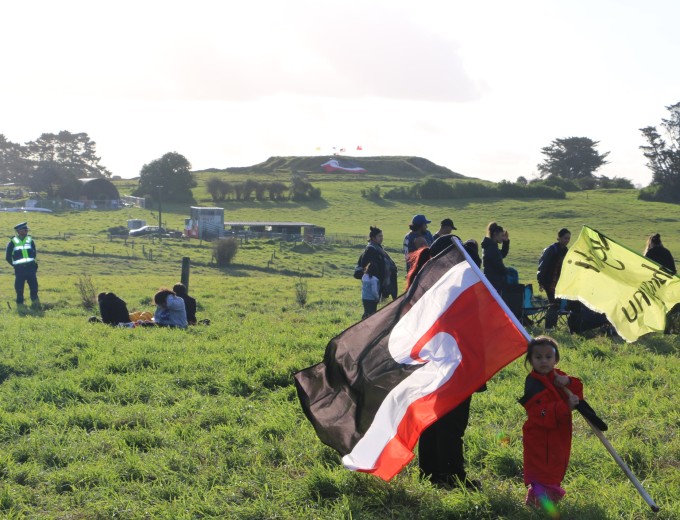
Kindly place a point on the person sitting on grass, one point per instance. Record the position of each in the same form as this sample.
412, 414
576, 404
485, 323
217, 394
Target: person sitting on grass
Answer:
112, 309
170, 309
189, 302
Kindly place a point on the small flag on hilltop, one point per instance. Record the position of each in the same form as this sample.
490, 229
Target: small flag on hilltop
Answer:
342, 166
387, 378
633, 291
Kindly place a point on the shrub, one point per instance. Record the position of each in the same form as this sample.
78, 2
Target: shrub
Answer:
615, 182
301, 292
87, 291
225, 250
436, 189
559, 182
371, 193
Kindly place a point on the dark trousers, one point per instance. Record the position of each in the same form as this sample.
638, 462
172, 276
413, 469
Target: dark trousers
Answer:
440, 450
370, 307
23, 275
552, 314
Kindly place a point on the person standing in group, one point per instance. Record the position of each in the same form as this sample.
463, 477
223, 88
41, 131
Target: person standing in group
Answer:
549, 268
657, 252
549, 398
21, 254
446, 228
370, 290
441, 457
418, 228
492, 257
385, 268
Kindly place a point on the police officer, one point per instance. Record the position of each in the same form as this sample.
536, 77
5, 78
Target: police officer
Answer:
20, 254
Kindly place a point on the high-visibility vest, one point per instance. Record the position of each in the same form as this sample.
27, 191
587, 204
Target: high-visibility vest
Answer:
23, 247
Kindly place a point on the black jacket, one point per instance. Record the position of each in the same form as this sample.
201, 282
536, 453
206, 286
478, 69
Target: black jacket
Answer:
492, 259
663, 257
550, 261
385, 266
113, 309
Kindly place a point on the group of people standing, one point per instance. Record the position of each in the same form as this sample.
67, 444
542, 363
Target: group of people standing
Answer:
550, 395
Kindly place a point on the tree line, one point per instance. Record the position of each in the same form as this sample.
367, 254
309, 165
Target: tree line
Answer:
299, 189
52, 163
571, 162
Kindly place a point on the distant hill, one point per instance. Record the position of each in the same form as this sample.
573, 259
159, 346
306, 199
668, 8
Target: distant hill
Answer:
409, 167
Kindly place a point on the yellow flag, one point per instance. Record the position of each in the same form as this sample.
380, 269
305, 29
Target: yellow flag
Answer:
633, 291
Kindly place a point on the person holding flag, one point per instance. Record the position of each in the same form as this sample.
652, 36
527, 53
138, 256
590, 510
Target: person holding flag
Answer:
546, 434
387, 378
441, 456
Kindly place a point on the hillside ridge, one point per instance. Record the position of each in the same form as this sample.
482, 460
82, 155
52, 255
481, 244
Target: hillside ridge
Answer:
397, 166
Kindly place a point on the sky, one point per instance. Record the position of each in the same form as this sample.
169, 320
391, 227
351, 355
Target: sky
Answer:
478, 87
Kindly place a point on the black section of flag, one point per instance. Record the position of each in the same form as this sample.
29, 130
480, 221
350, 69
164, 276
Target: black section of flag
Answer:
341, 395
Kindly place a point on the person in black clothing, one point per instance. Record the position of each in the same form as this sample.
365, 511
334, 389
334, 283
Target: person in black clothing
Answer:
492, 257
440, 448
189, 303
112, 309
549, 268
657, 252
445, 228
386, 269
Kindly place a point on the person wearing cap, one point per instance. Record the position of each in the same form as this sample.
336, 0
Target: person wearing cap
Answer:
492, 257
418, 228
20, 254
446, 228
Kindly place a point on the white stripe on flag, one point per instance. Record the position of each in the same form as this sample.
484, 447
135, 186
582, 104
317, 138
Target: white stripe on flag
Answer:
441, 356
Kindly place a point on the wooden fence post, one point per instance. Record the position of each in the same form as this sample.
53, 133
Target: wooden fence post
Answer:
186, 267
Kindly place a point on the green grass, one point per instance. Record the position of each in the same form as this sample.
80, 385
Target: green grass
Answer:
100, 422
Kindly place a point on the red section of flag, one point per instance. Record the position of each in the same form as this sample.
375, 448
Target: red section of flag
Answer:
480, 327
387, 378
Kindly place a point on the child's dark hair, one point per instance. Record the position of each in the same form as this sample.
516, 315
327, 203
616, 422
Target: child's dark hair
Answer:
162, 296
541, 340
371, 269
375, 231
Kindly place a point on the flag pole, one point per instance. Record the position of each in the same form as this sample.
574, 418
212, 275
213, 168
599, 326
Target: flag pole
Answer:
631, 476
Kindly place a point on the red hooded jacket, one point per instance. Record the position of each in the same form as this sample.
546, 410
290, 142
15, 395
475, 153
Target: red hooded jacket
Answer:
547, 430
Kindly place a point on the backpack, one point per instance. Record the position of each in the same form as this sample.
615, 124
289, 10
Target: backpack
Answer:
358, 270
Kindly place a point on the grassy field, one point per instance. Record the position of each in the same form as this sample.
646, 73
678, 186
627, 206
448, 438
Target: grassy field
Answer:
99, 422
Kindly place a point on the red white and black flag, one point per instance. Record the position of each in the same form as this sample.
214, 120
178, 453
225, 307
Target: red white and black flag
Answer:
387, 378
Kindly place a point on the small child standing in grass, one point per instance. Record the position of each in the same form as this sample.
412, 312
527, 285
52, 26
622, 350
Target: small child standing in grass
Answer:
370, 290
550, 395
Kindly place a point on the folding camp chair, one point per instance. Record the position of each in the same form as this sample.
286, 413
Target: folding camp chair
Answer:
534, 308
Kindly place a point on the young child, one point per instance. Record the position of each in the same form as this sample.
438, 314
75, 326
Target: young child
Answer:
370, 290
550, 395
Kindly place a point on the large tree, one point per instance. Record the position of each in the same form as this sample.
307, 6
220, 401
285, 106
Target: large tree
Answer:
13, 165
54, 180
74, 152
663, 155
172, 172
572, 158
